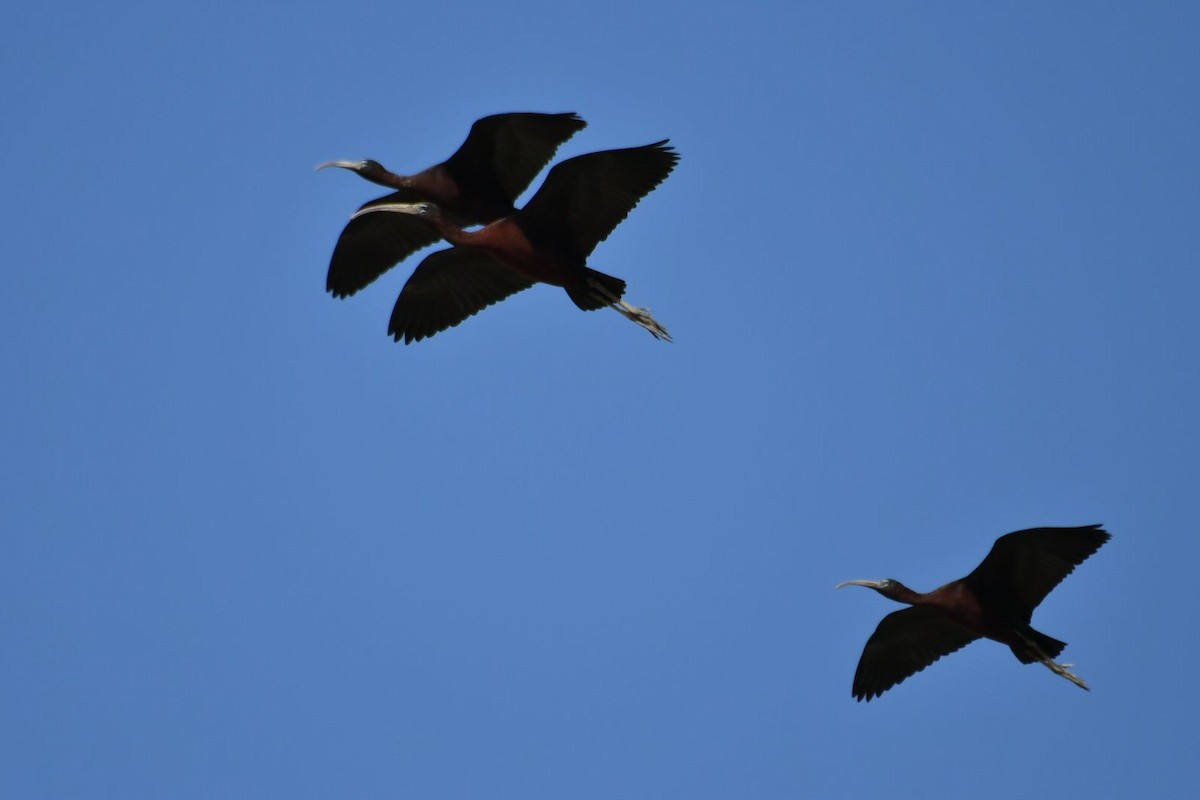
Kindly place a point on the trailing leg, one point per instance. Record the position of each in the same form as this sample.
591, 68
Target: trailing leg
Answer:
1053, 666
639, 315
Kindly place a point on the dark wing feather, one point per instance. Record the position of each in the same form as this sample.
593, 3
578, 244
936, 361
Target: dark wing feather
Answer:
906, 642
586, 197
507, 151
447, 287
1023, 567
372, 244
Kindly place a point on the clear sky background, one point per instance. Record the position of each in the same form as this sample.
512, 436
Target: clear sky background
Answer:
932, 276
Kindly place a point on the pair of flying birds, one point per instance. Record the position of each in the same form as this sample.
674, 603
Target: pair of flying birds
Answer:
548, 241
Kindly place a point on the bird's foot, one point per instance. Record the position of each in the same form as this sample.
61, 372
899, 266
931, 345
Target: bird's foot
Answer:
642, 317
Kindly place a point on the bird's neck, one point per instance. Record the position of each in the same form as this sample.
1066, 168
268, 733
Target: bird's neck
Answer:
453, 233
903, 594
391, 179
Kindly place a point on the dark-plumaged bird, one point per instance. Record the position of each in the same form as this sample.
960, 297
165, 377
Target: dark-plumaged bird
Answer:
548, 241
996, 601
502, 155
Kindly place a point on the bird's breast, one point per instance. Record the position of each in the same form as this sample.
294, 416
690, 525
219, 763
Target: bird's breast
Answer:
520, 255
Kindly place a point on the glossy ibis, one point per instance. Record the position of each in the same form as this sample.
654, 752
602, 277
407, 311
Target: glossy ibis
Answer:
996, 601
478, 184
548, 241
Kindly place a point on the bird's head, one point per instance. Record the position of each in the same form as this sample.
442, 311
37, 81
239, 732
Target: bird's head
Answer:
371, 170
424, 210
887, 587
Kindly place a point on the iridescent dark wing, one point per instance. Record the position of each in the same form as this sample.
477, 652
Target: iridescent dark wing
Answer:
446, 288
906, 642
584, 198
1023, 567
372, 244
507, 151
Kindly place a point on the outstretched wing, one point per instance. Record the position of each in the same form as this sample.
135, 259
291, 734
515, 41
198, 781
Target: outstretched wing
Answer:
509, 150
906, 642
586, 197
1023, 567
372, 244
447, 287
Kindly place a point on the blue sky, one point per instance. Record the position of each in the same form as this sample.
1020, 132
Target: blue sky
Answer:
931, 275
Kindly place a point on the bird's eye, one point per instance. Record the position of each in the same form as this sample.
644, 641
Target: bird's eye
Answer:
425, 208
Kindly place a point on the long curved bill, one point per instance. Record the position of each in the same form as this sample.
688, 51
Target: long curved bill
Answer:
399, 208
868, 584
353, 165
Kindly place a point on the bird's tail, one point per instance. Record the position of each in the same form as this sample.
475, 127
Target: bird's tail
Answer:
1043, 646
598, 290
